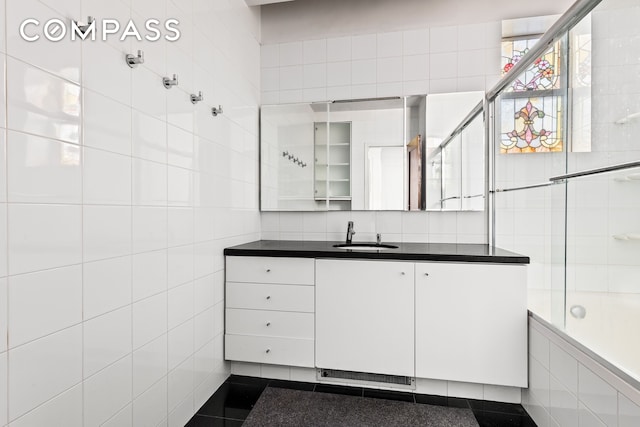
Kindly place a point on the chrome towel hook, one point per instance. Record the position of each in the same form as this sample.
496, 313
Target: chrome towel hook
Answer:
167, 82
133, 61
84, 28
196, 98
216, 110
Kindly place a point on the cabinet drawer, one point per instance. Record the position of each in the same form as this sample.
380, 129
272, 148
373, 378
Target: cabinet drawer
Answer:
295, 271
270, 323
276, 351
270, 297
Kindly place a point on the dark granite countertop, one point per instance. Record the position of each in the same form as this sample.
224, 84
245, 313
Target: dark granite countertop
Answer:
450, 252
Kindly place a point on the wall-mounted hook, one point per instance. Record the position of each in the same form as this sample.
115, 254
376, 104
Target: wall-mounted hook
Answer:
133, 61
196, 98
216, 110
285, 153
167, 82
84, 28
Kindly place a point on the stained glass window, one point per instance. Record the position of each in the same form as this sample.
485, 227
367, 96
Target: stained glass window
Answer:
531, 124
531, 110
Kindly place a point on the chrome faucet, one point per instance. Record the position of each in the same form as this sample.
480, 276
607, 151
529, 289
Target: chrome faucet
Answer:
350, 232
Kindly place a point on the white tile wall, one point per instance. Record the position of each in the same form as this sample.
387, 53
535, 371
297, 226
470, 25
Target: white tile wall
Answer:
569, 388
112, 189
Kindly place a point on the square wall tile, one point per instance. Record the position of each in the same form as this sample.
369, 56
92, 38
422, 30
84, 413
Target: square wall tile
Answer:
63, 410
363, 72
106, 232
315, 75
106, 178
415, 42
290, 54
389, 69
149, 183
339, 74
564, 367
151, 406
443, 39
42, 170
149, 365
102, 71
339, 49
180, 307
364, 47
100, 113
44, 236
270, 55
443, 65
149, 274
44, 302
415, 67
291, 77
44, 368
180, 265
472, 36
180, 344
600, 397
180, 383
107, 338
106, 285
389, 44
149, 138
149, 229
149, 319
564, 405
107, 392
314, 51
270, 79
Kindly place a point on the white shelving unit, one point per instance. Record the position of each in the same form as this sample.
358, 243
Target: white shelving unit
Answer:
332, 167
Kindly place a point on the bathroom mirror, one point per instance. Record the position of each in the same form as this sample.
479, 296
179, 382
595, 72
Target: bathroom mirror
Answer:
366, 154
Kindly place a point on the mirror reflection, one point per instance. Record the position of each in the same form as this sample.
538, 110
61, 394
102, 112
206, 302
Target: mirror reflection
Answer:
367, 154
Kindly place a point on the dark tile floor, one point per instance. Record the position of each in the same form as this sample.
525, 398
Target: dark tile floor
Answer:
231, 404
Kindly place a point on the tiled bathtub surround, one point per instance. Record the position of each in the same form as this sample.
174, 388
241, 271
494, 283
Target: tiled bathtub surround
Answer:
568, 388
117, 197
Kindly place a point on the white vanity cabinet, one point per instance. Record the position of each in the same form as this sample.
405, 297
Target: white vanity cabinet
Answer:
269, 311
471, 322
365, 316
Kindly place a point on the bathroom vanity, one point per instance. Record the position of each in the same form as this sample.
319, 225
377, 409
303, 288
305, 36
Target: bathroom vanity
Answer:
454, 312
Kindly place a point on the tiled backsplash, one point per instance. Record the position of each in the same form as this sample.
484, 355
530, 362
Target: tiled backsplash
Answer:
117, 197
419, 227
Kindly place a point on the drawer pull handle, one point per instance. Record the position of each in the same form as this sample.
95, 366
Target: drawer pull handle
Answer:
426, 274
268, 296
268, 270
268, 323
268, 350
403, 273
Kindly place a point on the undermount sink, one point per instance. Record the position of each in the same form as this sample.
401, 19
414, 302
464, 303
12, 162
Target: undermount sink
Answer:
364, 246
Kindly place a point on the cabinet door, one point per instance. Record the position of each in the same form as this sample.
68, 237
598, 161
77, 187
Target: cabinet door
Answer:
365, 316
471, 323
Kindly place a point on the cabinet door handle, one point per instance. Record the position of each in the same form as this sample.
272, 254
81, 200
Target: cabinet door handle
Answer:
268, 323
268, 296
268, 350
426, 274
268, 270
403, 273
